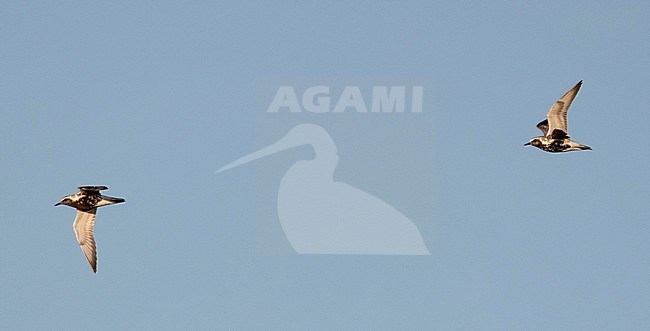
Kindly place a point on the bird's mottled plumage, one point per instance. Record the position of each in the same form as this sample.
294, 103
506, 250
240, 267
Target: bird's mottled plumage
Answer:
86, 201
556, 138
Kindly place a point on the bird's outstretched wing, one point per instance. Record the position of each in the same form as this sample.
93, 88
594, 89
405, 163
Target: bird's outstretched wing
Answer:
543, 126
84, 225
92, 189
556, 116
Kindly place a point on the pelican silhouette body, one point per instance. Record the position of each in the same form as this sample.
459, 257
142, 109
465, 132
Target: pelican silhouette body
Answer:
322, 216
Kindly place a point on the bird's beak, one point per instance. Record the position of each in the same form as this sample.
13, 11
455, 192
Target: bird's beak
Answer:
526, 144
57, 204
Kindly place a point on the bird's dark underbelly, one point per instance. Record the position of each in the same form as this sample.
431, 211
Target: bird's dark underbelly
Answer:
556, 146
87, 202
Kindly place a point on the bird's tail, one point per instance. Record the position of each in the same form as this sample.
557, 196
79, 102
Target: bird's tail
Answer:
111, 200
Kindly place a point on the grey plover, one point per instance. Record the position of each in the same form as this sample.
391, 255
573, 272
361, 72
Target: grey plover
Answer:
86, 201
554, 127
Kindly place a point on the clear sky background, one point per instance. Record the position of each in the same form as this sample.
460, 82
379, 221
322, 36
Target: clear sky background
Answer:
150, 98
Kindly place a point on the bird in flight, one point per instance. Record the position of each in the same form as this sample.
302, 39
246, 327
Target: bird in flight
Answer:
554, 127
86, 201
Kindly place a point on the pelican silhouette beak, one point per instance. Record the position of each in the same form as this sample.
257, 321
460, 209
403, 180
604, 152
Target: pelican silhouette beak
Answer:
284, 143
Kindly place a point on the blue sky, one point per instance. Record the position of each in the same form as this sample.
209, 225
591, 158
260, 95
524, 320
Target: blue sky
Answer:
151, 98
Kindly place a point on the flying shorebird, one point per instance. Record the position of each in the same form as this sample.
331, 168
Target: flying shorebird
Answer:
86, 201
554, 127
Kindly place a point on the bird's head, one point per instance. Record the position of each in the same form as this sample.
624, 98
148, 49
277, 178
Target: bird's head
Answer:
535, 142
65, 201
